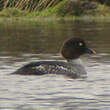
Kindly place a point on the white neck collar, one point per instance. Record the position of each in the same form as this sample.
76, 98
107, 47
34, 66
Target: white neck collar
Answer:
77, 66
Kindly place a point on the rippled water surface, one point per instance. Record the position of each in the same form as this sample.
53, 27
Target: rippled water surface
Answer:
24, 42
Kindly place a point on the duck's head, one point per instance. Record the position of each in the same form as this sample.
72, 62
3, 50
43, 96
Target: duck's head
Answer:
74, 47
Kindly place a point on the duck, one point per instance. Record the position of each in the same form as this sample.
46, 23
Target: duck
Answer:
71, 50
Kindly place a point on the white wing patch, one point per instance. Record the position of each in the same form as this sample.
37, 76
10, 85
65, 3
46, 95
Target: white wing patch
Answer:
73, 67
63, 68
41, 68
55, 69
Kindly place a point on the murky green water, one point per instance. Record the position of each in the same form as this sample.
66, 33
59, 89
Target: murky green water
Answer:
24, 42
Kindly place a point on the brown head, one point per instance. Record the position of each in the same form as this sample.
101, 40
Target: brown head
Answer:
75, 47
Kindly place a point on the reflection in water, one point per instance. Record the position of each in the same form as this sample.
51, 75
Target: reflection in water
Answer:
26, 42
47, 37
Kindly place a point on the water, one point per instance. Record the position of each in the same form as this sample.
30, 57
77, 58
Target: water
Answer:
24, 42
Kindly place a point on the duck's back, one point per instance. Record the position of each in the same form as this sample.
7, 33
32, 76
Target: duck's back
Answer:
45, 67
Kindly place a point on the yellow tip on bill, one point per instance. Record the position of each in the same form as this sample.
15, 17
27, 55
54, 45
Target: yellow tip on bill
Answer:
94, 52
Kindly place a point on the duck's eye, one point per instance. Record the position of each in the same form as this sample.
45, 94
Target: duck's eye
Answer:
80, 44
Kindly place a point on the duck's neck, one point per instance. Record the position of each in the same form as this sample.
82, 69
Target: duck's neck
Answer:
77, 66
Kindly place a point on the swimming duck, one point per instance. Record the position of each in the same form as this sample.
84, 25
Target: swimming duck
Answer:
71, 51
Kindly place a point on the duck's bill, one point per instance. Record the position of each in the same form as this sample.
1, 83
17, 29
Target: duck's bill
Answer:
90, 51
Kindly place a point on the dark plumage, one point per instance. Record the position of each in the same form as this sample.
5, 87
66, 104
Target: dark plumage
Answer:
71, 51
73, 48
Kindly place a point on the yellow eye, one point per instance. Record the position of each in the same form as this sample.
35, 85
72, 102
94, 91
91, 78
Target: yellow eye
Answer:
80, 44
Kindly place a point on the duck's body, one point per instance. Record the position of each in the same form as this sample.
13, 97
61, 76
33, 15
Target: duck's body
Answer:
74, 68
71, 51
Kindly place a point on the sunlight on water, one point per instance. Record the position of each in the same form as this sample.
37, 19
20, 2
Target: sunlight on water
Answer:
21, 44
